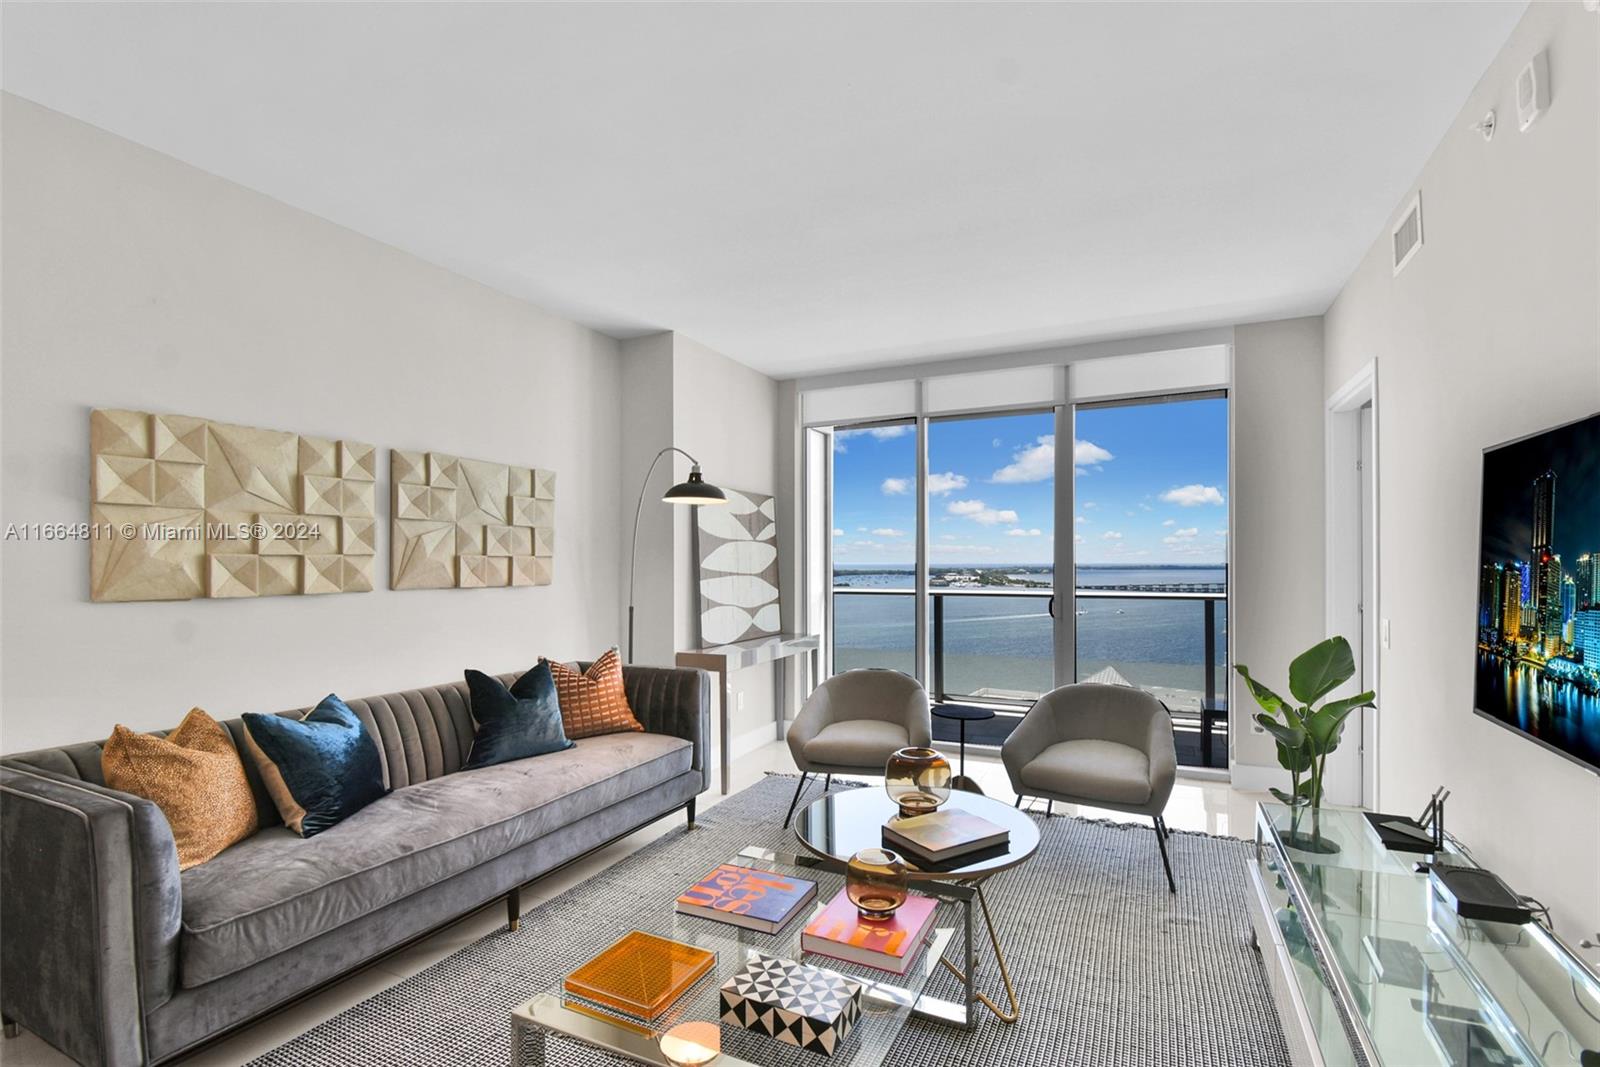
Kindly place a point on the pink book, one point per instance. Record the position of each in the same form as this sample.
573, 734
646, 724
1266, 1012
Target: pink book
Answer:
890, 944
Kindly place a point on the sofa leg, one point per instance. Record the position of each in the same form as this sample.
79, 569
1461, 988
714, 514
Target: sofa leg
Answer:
10, 1028
796, 800
1161, 842
514, 908
689, 810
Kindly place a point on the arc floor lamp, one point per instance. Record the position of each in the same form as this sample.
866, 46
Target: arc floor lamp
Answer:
696, 492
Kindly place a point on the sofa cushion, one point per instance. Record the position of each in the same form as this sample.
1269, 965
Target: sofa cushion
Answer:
1091, 770
274, 891
857, 743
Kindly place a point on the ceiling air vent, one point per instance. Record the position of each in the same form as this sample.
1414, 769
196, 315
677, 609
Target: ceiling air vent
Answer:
1407, 234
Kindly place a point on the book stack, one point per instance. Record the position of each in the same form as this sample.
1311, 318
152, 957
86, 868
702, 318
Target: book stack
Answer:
747, 897
940, 838
888, 944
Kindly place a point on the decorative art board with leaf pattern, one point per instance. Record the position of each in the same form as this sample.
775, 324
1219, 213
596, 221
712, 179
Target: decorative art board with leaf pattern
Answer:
738, 552
469, 524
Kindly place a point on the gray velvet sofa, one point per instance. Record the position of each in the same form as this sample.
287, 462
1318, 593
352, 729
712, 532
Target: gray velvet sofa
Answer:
114, 957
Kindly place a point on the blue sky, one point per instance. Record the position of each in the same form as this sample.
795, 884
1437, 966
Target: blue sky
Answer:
1151, 485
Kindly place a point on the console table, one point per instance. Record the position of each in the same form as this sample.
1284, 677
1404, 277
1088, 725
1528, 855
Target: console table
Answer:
1369, 966
723, 660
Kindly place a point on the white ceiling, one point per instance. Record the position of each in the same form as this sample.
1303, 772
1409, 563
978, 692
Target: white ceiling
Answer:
809, 187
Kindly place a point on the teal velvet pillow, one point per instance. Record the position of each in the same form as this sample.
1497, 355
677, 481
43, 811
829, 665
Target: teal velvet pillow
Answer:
514, 723
320, 768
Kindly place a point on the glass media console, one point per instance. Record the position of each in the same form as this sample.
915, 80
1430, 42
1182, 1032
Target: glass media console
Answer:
1370, 967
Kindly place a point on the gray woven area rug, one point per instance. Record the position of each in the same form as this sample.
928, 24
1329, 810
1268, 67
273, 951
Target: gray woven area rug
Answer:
1114, 971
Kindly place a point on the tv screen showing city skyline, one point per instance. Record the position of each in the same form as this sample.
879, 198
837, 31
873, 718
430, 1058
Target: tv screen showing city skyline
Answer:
1538, 662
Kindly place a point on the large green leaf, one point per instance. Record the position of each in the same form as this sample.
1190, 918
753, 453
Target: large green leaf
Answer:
1294, 760
1264, 696
1326, 724
1293, 736
1321, 669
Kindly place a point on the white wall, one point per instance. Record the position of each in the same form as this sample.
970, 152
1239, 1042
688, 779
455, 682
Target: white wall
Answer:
1490, 333
647, 422
132, 280
1275, 592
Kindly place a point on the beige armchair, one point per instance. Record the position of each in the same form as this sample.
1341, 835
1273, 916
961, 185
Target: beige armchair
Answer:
1106, 746
853, 722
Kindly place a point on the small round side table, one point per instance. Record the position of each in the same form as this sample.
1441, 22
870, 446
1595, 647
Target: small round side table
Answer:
963, 713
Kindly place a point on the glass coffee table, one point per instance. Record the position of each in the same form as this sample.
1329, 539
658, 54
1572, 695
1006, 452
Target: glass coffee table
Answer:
545, 1028
837, 826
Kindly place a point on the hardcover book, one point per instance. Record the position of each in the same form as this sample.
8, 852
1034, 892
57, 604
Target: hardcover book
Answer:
803, 1006
747, 897
941, 836
888, 944
640, 975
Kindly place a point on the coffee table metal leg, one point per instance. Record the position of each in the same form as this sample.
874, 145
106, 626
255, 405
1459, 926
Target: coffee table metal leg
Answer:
1015, 1011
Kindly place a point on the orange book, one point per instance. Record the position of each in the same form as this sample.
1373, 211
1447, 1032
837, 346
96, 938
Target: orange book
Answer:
888, 944
747, 897
641, 975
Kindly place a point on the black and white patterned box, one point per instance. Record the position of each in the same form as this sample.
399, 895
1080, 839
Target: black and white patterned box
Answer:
804, 1006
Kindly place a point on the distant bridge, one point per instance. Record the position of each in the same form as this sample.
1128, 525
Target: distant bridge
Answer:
1158, 587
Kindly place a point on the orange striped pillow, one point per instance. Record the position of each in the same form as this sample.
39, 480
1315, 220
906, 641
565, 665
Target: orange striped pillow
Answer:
594, 702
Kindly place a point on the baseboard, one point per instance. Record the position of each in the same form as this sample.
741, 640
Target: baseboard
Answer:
750, 740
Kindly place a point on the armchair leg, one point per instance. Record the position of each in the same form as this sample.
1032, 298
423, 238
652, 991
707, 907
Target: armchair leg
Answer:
827, 783
1049, 808
796, 800
1019, 800
1161, 842
10, 1028
514, 908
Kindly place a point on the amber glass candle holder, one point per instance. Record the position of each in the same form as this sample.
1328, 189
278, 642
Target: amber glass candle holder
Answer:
875, 882
918, 780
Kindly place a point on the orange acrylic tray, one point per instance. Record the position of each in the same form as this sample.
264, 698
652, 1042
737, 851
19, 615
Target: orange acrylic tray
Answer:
640, 975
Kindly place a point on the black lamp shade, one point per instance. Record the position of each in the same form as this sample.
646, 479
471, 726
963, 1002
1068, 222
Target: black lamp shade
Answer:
696, 491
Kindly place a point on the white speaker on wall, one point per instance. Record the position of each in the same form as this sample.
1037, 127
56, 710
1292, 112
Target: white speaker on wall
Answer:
1533, 90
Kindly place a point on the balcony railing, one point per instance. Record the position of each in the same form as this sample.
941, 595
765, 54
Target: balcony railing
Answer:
996, 646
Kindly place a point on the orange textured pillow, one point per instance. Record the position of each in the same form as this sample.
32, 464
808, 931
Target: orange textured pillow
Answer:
194, 776
594, 702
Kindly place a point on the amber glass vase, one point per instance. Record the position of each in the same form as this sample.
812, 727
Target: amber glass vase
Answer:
918, 780
875, 882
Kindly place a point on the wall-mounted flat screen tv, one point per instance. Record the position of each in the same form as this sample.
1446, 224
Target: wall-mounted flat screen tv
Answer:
1538, 668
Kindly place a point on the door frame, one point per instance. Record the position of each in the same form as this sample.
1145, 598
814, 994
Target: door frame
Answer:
1344, 517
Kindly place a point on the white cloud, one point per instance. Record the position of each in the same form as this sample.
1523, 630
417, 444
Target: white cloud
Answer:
948, 537
1088, 454
877, 433
1090, 504
1128, 513
1112, 535
940, 484
1169, 522
979, 512
838, 533
888, 531
1032, 463
995, 443
1080, 520
1191, 496
866, 544
896, 486
1077, 539
1183, 536
1017, 531
1222, 532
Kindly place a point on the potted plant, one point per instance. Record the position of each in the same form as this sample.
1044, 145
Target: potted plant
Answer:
1305, 733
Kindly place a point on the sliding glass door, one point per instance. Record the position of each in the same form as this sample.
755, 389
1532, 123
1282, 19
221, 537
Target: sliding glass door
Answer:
943, 553
1150, 539
874, 546
991, 531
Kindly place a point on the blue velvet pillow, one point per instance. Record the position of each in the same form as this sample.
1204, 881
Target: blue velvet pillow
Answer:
514, 723
320, 768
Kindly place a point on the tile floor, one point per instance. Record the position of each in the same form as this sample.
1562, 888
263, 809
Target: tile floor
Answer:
1207, 805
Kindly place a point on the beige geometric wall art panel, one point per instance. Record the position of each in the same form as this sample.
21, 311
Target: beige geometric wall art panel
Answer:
468, 523
184, 507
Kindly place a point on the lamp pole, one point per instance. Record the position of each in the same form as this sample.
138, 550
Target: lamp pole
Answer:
638, 510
